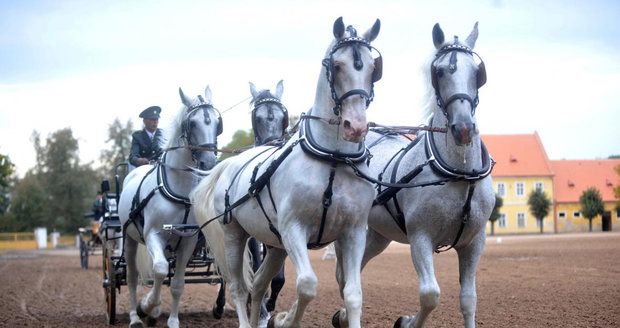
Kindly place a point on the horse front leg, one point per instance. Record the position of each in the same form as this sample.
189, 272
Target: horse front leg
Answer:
422, 257
269, 268
294, 241
151, 301
131, 248
375, 245
177, 283
469, 256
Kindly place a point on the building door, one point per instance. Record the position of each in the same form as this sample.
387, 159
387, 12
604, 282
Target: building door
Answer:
607, 221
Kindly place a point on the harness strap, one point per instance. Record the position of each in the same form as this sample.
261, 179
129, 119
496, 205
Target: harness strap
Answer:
137, 206
272, 228
464, 218
327, 202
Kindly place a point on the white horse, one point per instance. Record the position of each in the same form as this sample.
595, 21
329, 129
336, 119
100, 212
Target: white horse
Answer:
154, 195
436, 217
269, 122
301, 195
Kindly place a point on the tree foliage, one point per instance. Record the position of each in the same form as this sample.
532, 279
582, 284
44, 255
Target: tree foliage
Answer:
7, 171
240, 140
495, 215
58, 191
119, 141
591, 204
617, 189
540, 205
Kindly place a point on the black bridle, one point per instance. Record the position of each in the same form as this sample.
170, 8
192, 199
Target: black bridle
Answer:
187, 129
453, 49
355, 42
268, 100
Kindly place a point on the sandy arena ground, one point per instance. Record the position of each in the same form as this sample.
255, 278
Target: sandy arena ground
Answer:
523, 281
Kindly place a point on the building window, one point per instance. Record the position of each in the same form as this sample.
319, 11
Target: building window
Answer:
502, 220
618, 214
577, 214
539, 186
562, 215
501, 189
521, 220
520, 189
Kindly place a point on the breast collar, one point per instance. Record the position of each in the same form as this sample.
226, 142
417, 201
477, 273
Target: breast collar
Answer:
312, 148
440, 167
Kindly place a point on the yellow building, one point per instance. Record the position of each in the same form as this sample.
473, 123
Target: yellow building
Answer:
572, 178
522, 166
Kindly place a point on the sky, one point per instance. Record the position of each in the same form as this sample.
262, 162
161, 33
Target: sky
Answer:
553, 66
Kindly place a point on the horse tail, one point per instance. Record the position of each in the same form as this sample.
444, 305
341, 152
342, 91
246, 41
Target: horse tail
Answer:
144, 264
204, 207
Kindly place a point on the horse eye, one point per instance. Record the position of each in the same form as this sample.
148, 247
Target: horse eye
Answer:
440, 72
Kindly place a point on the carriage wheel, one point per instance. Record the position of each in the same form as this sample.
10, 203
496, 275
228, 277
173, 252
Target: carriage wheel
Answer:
83, 254
109, 287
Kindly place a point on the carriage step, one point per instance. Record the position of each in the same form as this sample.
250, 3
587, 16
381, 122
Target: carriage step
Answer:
181, 230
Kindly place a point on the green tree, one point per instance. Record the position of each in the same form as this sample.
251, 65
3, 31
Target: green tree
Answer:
7, 171
69, 186
591, 204
240, 140
495, 215
119, 140
28, 206
540, 205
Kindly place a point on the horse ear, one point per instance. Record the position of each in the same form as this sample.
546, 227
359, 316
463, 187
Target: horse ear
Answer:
208, 95
338, 28
186, 101
473, 36
438, 37
253, 90
371, 34
279, 89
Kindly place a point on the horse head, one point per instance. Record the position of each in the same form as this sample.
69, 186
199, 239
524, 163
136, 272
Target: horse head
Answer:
351, 72
269, 116
201, 125
456, 77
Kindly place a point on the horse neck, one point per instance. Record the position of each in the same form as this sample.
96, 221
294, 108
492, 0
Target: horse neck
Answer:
464, 158
327, 135
179, 180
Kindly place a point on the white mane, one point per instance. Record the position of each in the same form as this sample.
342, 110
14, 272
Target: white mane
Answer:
429, 101
173, 132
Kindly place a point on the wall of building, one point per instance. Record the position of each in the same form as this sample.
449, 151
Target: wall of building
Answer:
573, 221
518, 218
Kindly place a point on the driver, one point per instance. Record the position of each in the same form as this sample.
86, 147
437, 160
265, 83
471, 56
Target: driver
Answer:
146, 144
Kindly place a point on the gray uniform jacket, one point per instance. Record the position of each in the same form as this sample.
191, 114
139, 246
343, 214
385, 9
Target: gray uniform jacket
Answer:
142, 146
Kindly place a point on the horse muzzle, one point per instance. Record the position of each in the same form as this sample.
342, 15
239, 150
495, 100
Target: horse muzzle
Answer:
463, 132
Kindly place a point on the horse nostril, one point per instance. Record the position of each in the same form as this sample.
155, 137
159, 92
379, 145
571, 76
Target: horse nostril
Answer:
347, 124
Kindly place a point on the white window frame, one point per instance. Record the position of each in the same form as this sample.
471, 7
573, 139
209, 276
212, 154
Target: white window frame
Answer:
539, 185
522, 185
502, 221
501, 189
521, 218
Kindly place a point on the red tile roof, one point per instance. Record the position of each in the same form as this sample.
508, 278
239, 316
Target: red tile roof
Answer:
573, 177
517, 155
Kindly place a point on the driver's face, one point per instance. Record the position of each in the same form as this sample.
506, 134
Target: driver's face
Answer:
151, 124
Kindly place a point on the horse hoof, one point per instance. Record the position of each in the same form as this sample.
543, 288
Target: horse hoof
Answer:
151, 322
217, 311
398, 322
136, 325
336, 319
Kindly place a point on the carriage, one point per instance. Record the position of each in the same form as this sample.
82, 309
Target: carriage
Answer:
200, 266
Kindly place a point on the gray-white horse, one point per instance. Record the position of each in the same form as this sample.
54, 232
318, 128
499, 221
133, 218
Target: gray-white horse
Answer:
269, 122
302, 195
433, 217
154, 195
